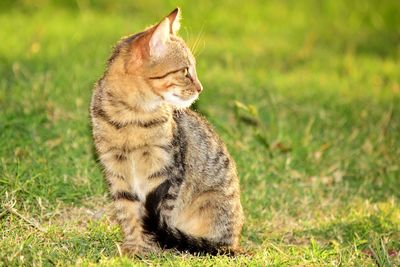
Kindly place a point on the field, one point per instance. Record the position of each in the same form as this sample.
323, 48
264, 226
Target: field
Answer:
306, 95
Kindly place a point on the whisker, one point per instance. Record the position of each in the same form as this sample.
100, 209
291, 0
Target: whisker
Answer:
199, 36
202, 49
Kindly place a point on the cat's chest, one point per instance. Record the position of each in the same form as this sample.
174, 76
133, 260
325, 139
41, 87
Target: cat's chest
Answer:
144, 163
140, 186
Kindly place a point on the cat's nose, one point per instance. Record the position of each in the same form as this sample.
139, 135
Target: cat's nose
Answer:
199, 87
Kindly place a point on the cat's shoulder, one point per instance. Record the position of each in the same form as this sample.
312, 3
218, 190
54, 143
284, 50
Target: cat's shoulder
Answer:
190, 117
196, 125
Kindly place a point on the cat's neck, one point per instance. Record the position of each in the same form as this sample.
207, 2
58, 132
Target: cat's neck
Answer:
137, 109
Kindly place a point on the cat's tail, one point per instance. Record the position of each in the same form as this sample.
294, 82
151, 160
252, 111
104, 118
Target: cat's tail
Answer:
173, 238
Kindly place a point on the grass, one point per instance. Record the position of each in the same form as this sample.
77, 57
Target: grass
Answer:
306, 94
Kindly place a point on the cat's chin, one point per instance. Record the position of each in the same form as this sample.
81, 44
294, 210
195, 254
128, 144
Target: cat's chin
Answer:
178, 102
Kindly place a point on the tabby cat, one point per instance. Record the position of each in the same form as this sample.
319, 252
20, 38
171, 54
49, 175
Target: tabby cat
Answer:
173, 182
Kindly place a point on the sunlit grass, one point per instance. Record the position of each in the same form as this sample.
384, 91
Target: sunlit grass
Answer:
305, 94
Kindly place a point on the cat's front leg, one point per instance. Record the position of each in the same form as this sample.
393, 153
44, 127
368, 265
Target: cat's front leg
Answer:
128, 212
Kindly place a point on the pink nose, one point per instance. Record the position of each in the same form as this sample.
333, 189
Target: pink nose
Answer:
199, 87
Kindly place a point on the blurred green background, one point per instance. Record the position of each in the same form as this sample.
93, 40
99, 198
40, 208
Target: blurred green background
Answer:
306, 94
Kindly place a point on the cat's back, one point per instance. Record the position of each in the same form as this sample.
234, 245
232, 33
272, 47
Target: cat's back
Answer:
208, 161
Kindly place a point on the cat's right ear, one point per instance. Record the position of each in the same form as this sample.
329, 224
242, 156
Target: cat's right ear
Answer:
160, 36
174, 20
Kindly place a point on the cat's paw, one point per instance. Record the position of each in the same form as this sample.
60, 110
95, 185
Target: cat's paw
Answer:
139, 250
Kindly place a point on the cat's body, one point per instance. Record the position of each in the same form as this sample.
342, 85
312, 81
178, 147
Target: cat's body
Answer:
172, 180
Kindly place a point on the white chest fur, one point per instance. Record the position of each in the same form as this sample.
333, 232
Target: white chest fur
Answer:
140, 186
144, 163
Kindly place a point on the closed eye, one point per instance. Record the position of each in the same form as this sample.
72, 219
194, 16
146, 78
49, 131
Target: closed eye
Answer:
169, 73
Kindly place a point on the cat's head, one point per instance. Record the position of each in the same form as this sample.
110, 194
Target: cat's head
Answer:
157, 65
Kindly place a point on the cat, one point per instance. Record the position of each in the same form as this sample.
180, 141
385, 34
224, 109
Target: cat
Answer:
172, 180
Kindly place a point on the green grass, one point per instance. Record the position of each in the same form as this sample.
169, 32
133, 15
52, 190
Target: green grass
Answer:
306, 94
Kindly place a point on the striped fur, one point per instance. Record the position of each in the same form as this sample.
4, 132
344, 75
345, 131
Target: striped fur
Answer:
172, 179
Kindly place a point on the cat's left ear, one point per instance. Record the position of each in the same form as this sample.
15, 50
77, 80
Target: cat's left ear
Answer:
159, 37
169, 25
174, 21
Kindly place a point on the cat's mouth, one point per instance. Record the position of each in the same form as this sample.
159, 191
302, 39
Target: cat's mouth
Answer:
177, 101
196, 95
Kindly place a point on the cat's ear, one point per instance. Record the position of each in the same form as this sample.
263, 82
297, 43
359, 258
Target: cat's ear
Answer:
159, 38
174, 20
169, 25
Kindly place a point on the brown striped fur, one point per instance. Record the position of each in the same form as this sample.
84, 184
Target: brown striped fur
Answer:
172, 179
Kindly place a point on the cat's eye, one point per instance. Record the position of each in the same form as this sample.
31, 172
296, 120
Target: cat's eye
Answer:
186, 73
